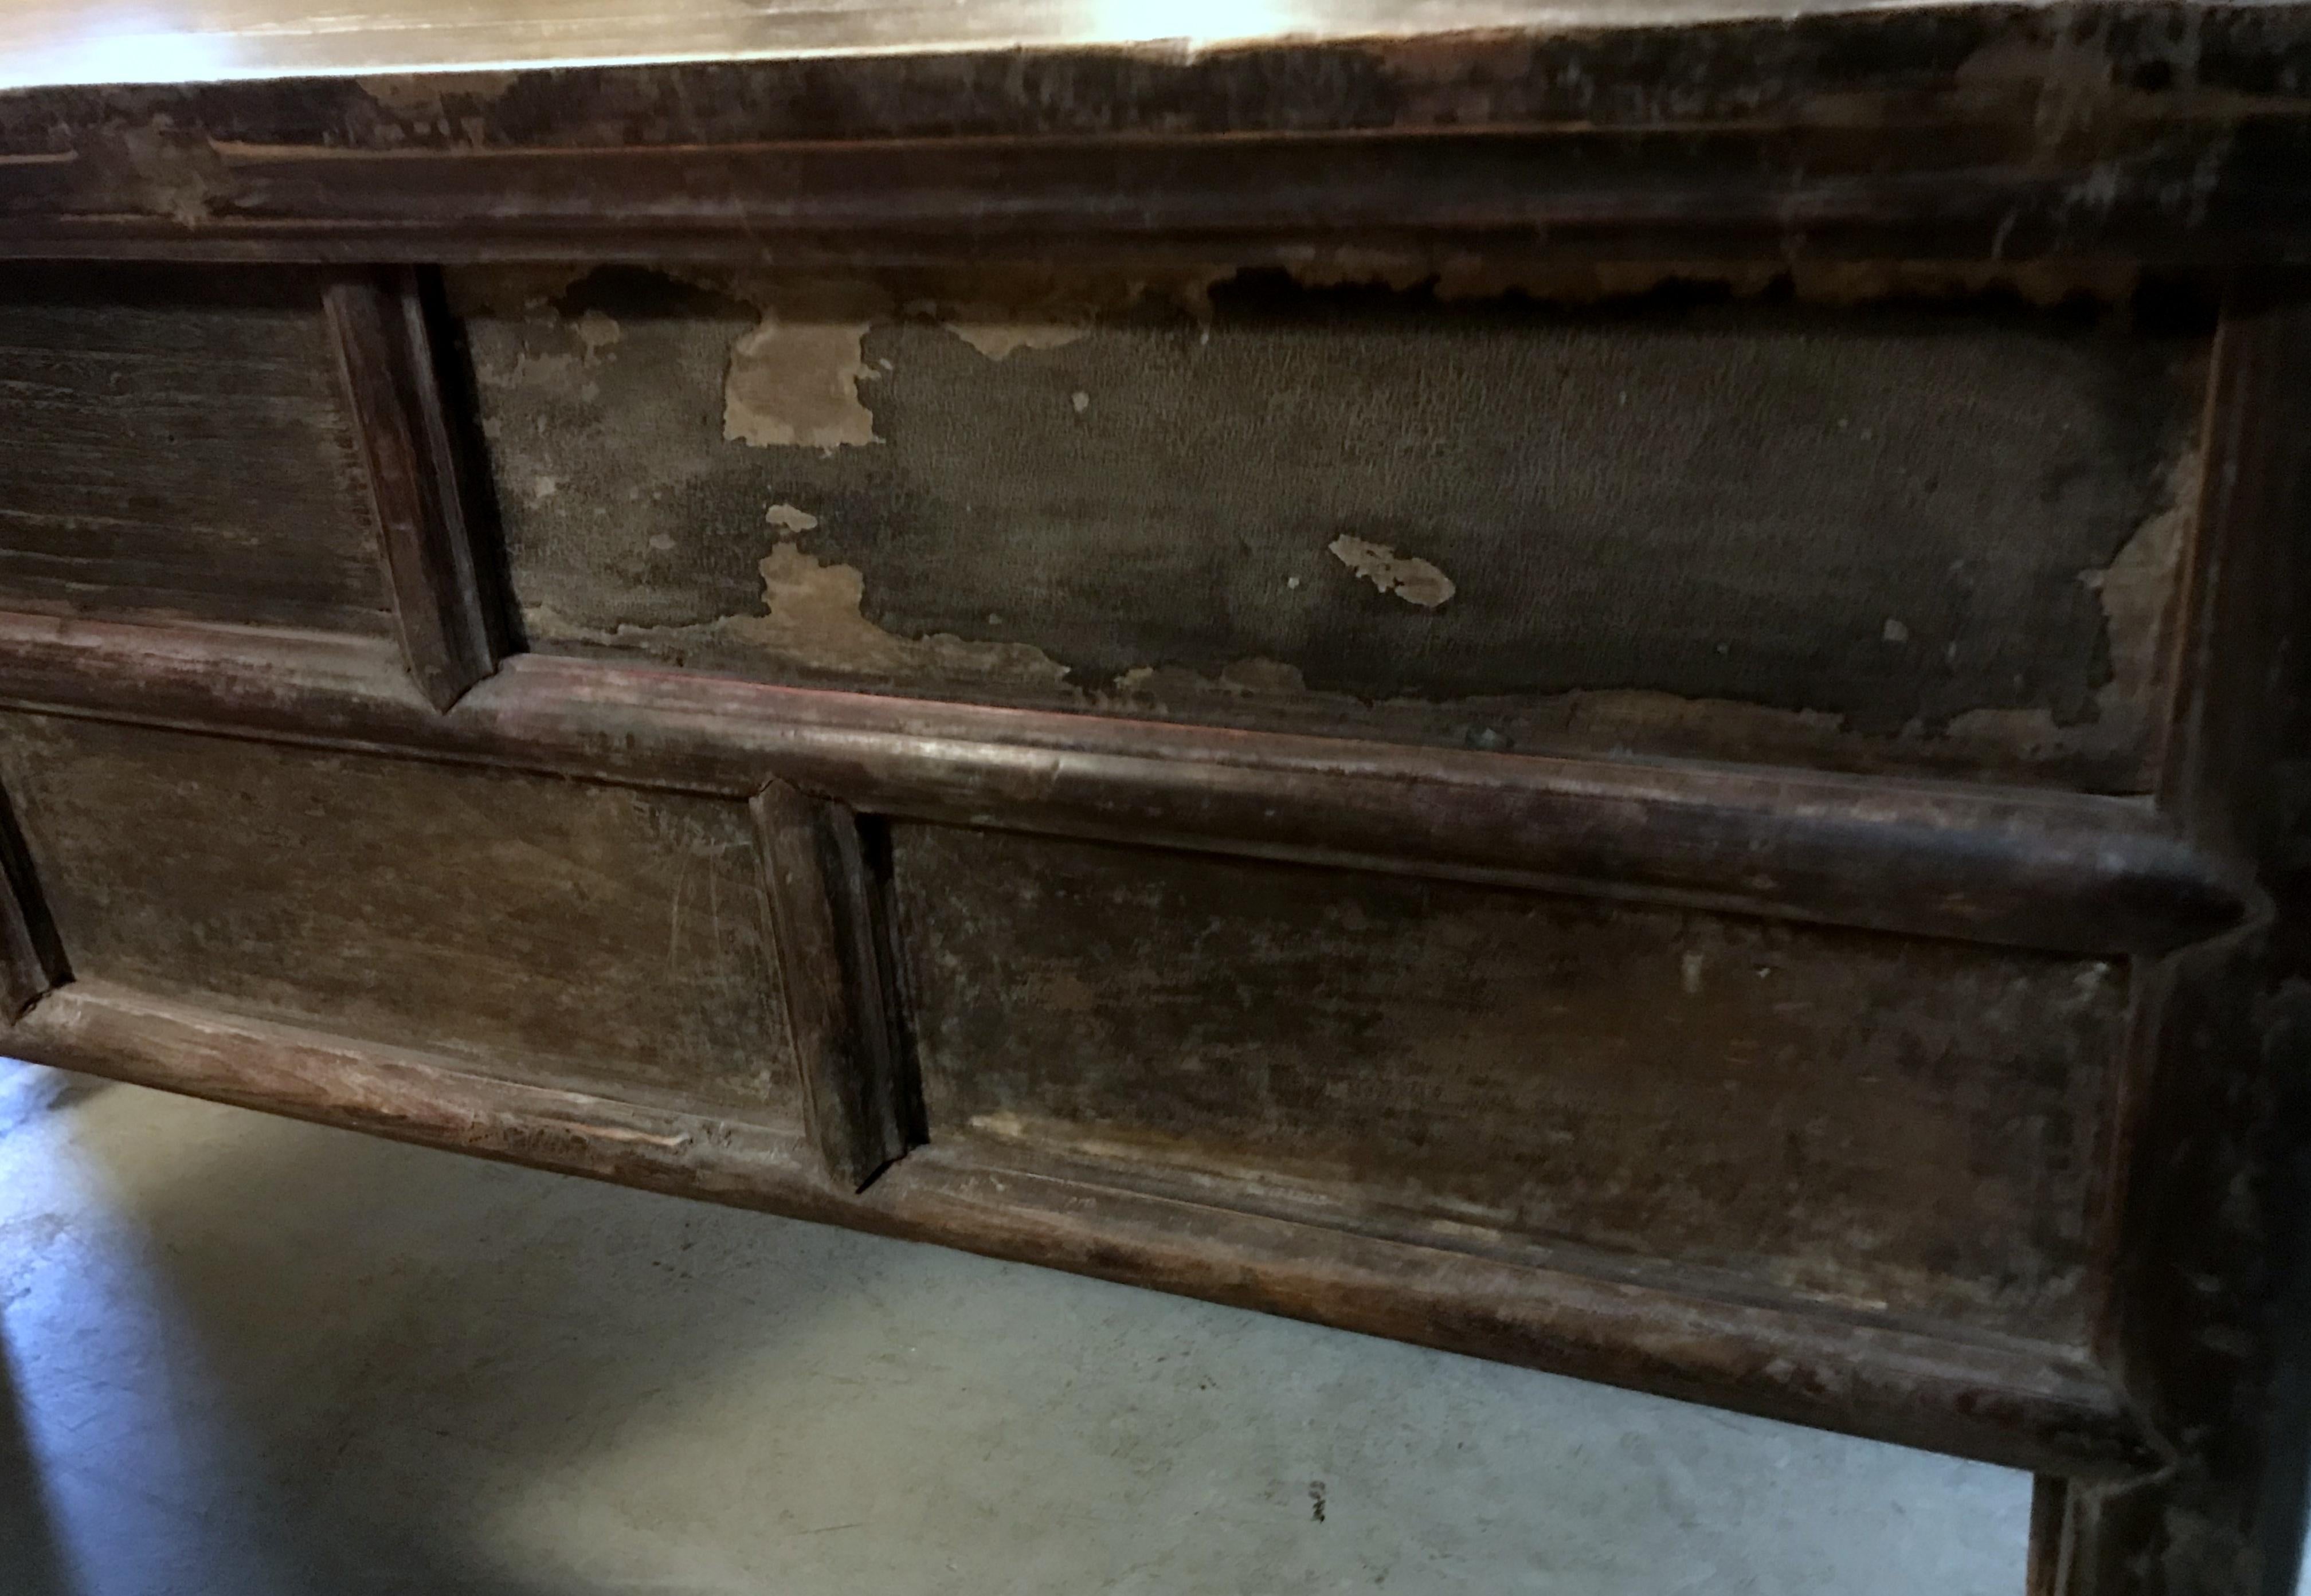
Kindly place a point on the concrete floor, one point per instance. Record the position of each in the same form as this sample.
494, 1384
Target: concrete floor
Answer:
251, 1356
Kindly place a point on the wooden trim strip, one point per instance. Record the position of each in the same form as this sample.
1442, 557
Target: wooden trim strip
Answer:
31, 957
861, 1105
2253, 498
2021, 1404
2008, 865
1716, 137
385, 355
1679, 195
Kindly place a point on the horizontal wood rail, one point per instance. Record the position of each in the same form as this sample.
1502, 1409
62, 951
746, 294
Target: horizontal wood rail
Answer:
1919, 131
2022, 1404
2017, 866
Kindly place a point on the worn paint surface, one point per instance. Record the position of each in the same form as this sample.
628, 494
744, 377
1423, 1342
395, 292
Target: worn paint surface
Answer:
1886, 1125
1934, 533
525, 925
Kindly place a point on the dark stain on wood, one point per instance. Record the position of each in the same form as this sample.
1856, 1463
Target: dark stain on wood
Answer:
524, 924
1897, 1127
1860, 536
175, 445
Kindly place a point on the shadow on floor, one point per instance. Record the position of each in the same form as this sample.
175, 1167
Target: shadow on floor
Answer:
334, 1338
29, 1555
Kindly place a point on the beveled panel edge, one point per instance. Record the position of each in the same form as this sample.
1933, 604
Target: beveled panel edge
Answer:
860, 1101
2065, 872
444, 610
2241, 621
32, 961
2021, 1404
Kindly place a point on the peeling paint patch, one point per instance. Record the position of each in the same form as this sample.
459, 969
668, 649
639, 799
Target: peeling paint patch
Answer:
981, 327
786, 518
1413, 579
796, 384
597, 331
811, 618
2136, 590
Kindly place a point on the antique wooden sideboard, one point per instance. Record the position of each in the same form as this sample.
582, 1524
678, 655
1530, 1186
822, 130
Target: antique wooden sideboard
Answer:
1613, 685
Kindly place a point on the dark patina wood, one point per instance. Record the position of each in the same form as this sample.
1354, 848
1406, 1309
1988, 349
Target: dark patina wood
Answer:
1619, 691
569, 931
177, 449
2007, 1401
445, 602
2026, 867
1949, 131
860, 1102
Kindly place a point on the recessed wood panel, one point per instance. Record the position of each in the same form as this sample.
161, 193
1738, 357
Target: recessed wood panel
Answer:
178, 445
1912, 535
1877, 1123
533, 928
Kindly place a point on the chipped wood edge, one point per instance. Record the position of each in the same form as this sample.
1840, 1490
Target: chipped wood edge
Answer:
2021, 1404
445, 617
828, 927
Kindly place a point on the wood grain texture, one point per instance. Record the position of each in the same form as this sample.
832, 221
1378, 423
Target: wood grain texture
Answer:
2013, 1403
535, 926
1895, 1128
1956, 131
176, 447
860, 1097
445, 603
1956, 860
1912, 537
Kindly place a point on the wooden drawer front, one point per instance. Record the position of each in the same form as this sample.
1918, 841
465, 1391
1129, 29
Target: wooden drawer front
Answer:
1923, 536
179, 446
543, 928
1879, 1122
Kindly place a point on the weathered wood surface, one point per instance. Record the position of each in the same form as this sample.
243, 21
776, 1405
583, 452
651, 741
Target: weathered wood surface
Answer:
2034, 868
1975, 131
534, 926
176, 446
2209, 1252
860, 1098
1893, 1128
2006, 1401
1479, 512
446, 602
